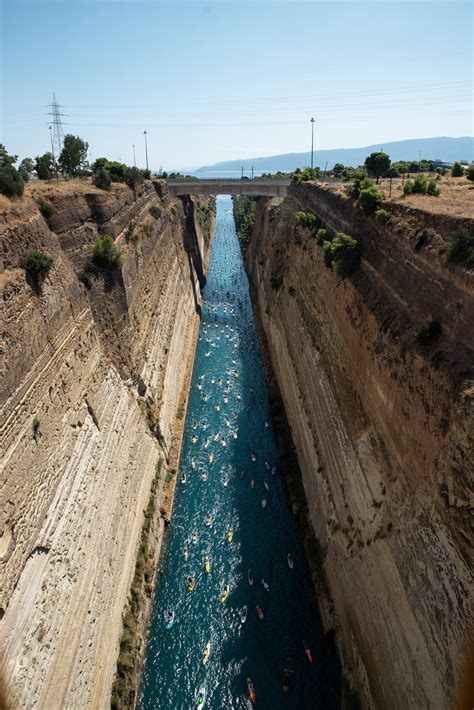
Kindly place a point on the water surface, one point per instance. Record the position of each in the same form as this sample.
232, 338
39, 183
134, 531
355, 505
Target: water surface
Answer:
228, 420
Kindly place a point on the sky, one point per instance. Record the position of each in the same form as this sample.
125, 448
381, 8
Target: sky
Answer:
214, 80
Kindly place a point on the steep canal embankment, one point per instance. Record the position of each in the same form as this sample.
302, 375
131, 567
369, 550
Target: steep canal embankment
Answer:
233, 528
92, 379
382, 421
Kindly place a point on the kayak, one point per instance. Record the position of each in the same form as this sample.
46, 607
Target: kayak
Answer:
169, 618
243, 615
191, 585
211, 457
207, 564
208, 521
250, 576
183, 478
290, 561
251, 690
264, 502
224, 596
260, 613
230, 536
206, 653
308, 651
201, 698
286, 679
265, 585
266, 485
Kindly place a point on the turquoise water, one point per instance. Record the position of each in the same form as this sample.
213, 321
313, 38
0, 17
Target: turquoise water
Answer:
228, 373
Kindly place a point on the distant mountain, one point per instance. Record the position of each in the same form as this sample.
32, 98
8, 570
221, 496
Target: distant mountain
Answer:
448, 149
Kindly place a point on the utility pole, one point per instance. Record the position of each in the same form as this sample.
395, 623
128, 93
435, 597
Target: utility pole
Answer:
312, 141
146, 150
242, 172
252, 172
58, 132
134, 158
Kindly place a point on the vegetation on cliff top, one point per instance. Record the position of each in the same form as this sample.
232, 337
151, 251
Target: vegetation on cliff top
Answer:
461, 250
11, 181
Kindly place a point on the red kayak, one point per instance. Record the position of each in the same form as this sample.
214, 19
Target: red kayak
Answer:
308, 651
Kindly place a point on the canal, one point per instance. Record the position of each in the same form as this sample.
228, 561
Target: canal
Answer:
230, 486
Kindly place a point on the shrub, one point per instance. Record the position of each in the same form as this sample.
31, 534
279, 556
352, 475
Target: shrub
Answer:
428, 332
106, 254
36, 263
101, 178
420, 185
370, 199
470, 172
345, 255
432, 189
45, 207
321, 236
457, 170
382, 215
11, 182
308, 220
327, 252
408, 187
146, 174
461, 250
133, 177
360, 183
155, 212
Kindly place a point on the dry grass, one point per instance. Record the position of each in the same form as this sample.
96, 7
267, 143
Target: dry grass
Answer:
456, 198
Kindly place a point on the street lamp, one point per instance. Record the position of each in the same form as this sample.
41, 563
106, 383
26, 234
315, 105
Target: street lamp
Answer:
146, 150
312, 136
134, 159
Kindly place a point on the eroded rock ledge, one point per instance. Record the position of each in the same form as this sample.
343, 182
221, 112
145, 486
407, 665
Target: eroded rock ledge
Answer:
383, 430
90, 386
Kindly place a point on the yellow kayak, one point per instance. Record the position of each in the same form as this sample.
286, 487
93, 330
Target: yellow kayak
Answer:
211, 457
191, 584
224, 595
207, 564
230, 536
207, 652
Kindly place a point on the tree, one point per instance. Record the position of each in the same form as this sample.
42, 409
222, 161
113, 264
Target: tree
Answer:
470, 172
73, 155
11, 182
44, 166
342, 254
377, 164
337, 169
457, 170
25, 168
133, 177
101, 178
370, 200
36, 263
106, 254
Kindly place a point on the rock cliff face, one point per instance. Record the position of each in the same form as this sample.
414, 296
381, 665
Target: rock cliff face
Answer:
383, 430
90, 382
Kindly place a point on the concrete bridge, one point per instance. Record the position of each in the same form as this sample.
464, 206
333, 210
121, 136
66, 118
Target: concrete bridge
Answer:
229, 186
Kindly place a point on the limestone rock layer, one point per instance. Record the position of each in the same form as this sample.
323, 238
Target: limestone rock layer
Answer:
383, 431
90, 380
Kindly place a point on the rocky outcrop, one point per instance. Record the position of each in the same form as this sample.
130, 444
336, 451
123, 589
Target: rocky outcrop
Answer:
90, 384
383, 431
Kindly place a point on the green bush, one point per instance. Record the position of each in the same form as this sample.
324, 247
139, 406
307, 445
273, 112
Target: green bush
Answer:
308, 220
420, 185
36, 263
101, 178
408, 187
382, 215
370, 200
360, 183
345, 255
327, 252
11, 182
106, 254
321, 236
470, 172
461, 250
432, 189
300, 176
155, 212
45, 207
146, 174
133, 177
457, 170
428, 332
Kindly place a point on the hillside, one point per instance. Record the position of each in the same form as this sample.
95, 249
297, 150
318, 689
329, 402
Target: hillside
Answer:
448, 149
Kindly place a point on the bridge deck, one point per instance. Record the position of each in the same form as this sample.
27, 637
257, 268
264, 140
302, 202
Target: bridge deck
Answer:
232, 186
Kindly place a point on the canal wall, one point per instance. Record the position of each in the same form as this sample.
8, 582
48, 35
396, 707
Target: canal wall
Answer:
92, 386
383, 431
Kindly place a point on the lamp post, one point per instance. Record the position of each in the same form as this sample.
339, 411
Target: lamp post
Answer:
312, 143
134, 159
146, 150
